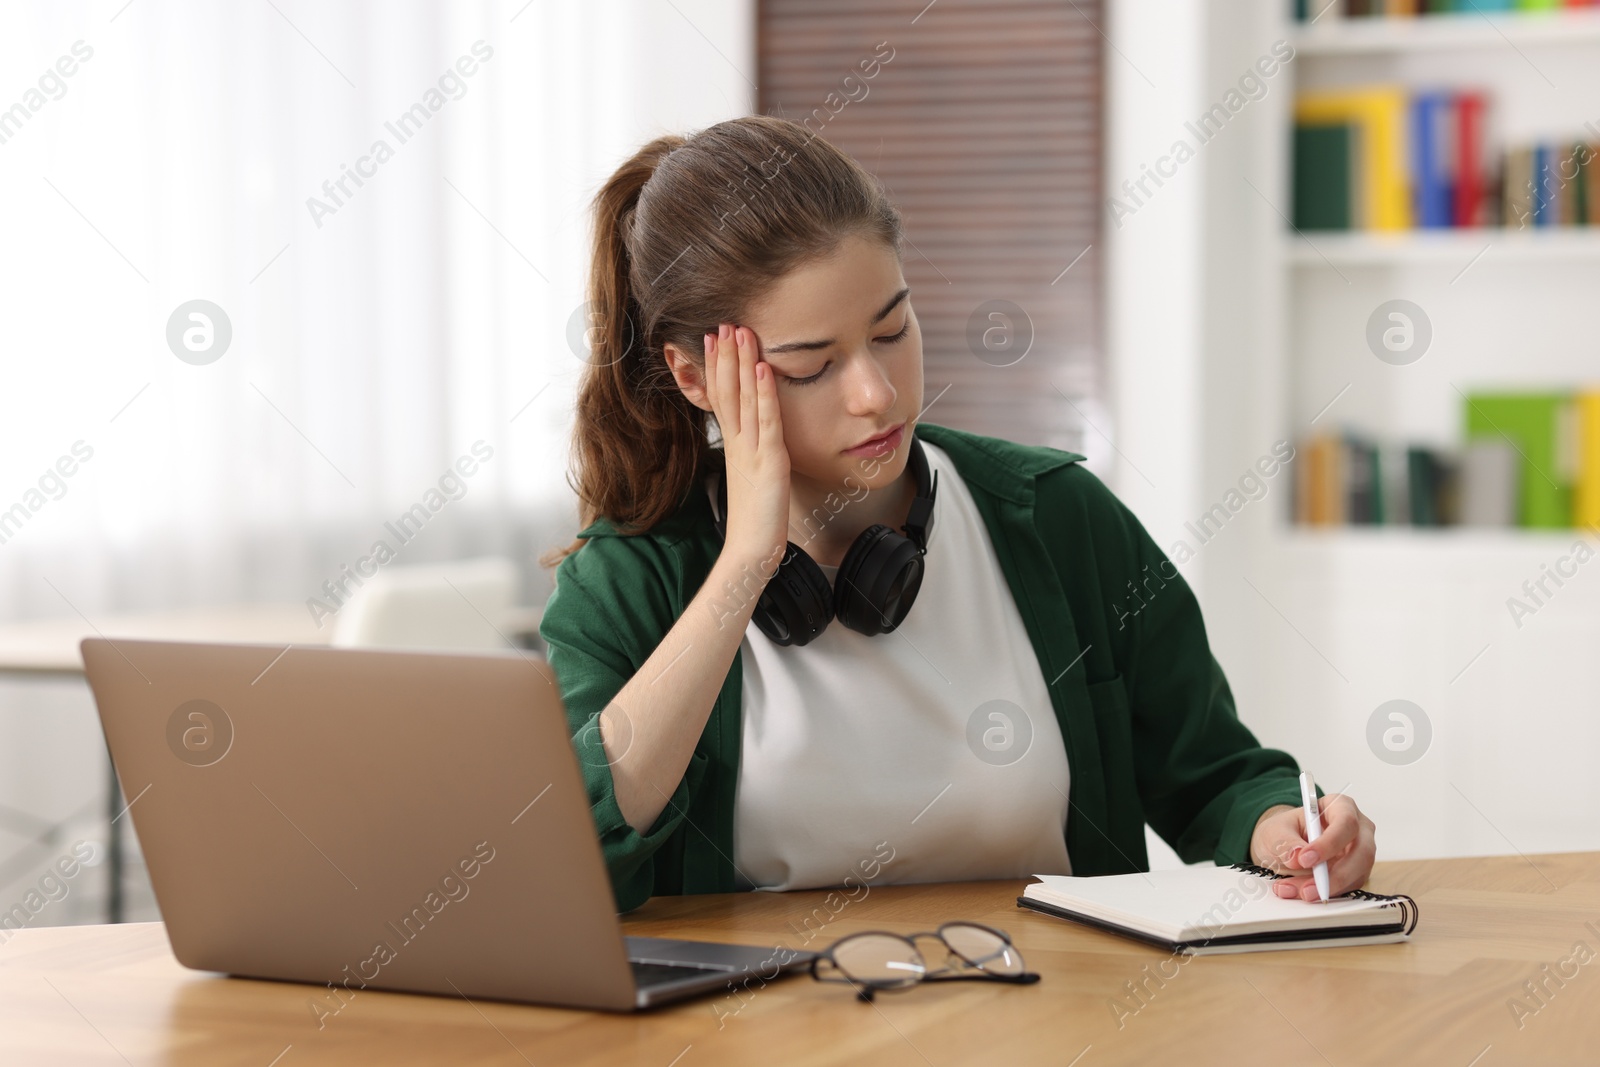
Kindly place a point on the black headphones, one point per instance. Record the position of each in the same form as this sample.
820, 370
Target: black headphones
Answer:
878, 577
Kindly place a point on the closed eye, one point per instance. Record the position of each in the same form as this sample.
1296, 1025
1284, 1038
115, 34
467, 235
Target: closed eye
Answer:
896, 338
809, 378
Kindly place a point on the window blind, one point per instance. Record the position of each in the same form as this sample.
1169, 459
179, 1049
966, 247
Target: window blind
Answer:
983, 120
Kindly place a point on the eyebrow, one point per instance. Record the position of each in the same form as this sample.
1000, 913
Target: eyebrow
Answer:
812, 346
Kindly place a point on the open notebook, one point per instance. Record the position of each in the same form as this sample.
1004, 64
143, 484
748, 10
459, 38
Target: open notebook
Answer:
1206, 910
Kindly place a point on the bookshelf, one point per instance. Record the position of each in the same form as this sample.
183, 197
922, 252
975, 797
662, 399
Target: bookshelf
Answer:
1508, 305
1318, 627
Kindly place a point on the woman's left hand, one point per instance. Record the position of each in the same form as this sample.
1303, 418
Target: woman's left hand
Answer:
1346, 844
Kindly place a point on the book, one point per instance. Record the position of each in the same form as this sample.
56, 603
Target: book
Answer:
1580, 161
1433, 158
1362, 505
1320, 480
1544, 201
1590, 176
1379, 115
1542, 429
1586, 491
1467, 209
1202, 911
1422, 477
1566, 179
1431, 482
1489, 470
1322, 172
1517, 186
1394, 486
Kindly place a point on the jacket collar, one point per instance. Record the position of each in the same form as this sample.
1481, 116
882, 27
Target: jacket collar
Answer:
1002, 468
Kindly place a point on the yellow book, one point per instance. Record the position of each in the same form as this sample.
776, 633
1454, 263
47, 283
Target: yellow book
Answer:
1380, 113
1586, 490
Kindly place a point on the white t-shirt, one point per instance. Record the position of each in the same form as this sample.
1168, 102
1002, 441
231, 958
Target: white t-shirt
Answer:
930, 753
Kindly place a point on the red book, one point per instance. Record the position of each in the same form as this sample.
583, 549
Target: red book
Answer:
1469, 159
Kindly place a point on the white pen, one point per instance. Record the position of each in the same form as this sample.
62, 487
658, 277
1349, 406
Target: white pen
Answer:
1308, 797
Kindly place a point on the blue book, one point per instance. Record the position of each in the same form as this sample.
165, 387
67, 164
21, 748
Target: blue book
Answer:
1432, 157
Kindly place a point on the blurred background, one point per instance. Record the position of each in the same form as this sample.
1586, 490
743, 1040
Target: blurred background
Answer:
1307, 283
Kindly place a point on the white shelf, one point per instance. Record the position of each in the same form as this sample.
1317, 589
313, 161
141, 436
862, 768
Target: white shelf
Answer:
1413, 565
1469, 540
1452, 248
1377, 34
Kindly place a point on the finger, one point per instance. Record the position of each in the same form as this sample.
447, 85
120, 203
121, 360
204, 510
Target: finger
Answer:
1299, 852
1341, 826
1351, 872
709, 375
1291, 887
747, 382
769, 415
1301, 887
727, 381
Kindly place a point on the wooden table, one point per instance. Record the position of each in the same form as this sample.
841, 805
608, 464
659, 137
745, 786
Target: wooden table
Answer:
115, 995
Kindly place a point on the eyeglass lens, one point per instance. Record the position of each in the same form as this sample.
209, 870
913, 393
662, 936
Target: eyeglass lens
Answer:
982, 947
880, 959
883, 959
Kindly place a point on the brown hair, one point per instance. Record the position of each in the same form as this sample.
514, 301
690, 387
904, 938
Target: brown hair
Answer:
689, 233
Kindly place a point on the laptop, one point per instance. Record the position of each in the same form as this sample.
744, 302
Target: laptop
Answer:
364, 819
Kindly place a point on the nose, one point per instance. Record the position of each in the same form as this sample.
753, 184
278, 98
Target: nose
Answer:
868, 390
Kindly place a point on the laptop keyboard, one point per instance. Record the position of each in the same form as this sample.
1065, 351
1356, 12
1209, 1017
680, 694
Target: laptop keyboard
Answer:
650, 974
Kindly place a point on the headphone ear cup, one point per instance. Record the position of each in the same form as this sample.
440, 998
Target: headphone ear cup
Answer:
797, 603
878, 581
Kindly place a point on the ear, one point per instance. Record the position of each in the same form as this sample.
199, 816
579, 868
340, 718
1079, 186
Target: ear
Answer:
690, 378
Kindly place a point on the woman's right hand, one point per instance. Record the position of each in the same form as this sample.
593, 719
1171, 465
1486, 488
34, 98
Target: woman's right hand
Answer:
744, 398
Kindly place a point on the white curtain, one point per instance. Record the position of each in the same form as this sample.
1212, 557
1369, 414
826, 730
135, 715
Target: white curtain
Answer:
377, 333
169, 157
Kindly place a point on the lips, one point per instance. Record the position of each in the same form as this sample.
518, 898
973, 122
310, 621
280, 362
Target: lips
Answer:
888, 436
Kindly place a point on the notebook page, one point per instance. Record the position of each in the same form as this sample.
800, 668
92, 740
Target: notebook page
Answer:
1199, 902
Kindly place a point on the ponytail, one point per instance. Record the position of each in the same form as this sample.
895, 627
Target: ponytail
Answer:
635, 432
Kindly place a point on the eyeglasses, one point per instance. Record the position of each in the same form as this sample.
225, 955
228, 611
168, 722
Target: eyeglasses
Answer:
876, 959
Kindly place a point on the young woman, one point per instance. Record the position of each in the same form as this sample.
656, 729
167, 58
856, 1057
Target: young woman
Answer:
834, 644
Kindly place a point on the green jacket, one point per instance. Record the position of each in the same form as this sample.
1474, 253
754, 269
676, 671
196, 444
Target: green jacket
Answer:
1145, 712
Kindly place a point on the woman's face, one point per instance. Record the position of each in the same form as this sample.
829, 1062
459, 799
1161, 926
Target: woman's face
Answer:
844, 324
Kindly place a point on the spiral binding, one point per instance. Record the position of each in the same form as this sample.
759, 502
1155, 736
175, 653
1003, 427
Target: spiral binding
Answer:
1409, 912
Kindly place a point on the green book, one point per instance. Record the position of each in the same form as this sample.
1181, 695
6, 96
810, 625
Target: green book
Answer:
1538, 426
1580, 184
1322, 156
1423, 486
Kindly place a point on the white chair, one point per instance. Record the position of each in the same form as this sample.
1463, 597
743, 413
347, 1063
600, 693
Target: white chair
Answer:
462, 604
